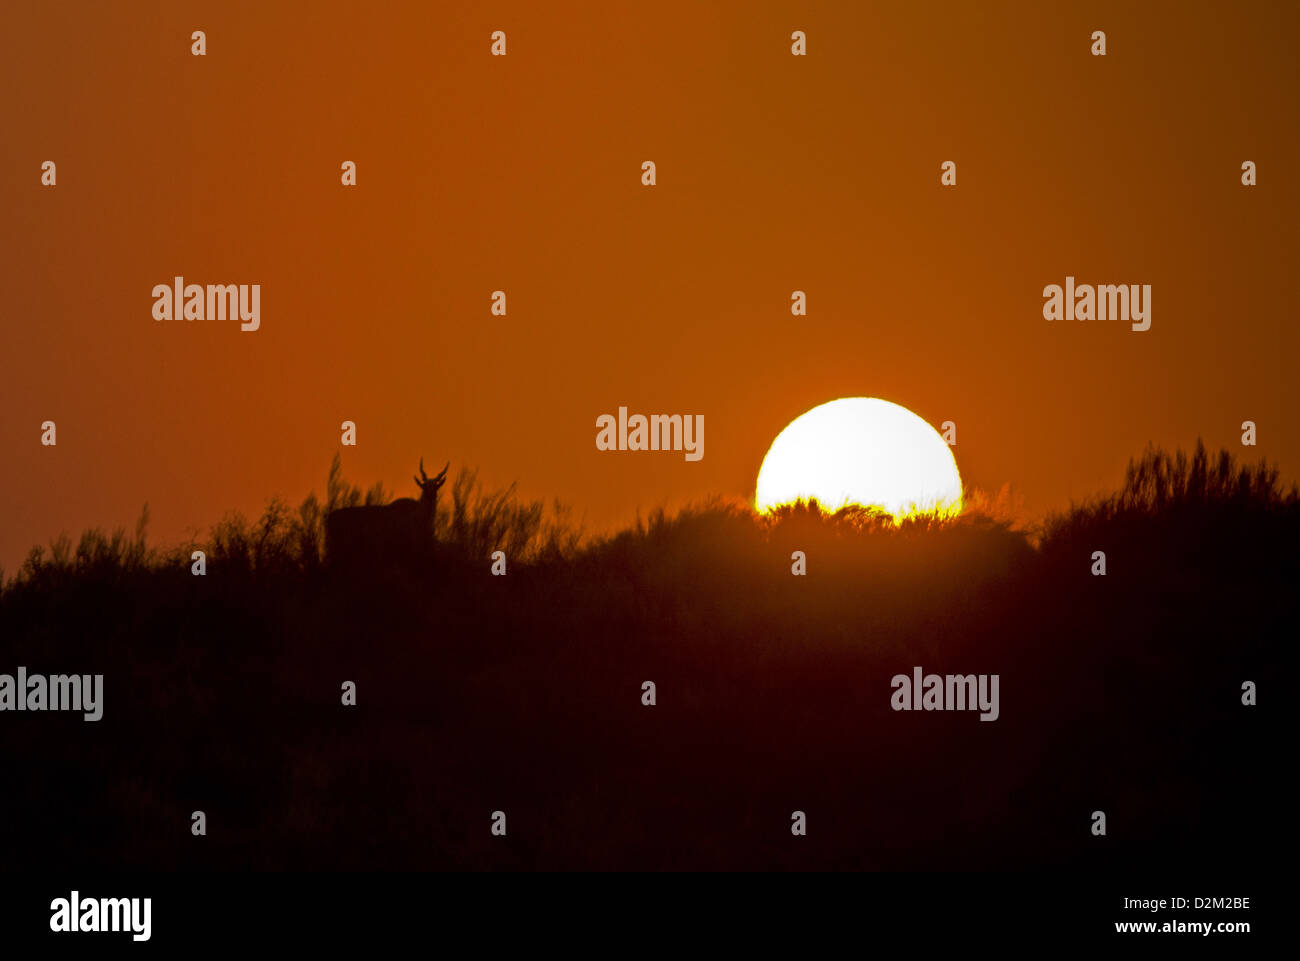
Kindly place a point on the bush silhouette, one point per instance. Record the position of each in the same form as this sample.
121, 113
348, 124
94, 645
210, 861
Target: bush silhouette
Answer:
523, 693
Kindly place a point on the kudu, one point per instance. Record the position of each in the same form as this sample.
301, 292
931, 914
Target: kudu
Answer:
383, 533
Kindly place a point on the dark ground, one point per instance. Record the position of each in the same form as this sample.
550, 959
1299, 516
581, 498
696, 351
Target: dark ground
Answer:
522, 693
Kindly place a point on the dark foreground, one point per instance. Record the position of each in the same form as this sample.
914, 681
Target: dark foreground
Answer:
523, 694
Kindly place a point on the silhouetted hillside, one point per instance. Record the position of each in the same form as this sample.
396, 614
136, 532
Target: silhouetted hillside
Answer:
523, 693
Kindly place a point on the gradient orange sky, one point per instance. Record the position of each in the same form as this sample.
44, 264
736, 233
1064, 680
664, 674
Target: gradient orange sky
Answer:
522, 173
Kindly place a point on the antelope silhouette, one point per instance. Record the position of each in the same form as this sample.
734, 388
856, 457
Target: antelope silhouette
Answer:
386, 532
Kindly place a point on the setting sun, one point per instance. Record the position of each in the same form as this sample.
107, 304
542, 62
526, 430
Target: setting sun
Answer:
863, 451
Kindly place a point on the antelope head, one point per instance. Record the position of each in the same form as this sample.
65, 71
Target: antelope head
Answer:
429, 486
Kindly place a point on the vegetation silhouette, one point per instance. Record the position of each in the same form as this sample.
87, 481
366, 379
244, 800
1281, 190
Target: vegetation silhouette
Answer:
476, 693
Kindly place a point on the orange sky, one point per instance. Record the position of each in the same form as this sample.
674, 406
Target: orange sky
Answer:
522, 173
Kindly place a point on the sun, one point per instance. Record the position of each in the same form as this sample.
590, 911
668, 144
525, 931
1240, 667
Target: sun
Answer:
864, 451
